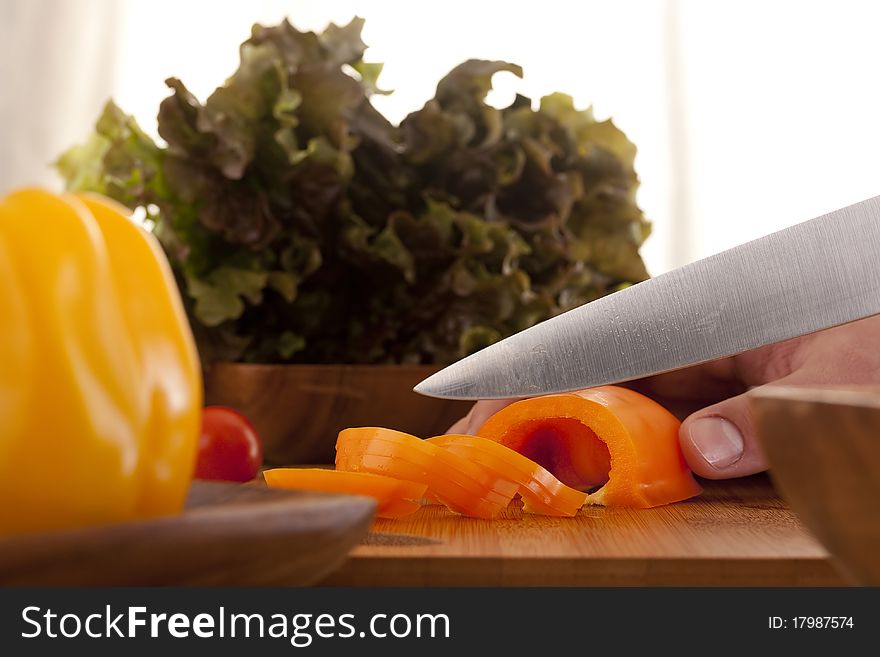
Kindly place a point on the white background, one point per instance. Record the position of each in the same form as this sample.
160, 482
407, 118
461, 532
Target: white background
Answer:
749, 116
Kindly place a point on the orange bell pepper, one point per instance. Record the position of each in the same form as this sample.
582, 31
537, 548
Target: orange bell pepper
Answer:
460, 484
541, 492
607, 437
395, 497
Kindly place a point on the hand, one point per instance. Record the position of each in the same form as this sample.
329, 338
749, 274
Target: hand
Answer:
719, 440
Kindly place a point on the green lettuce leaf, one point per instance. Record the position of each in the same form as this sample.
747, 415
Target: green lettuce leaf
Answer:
221, 295
302, 226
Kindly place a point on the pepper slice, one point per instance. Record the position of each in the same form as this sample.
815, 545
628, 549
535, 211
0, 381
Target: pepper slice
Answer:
541, 492
463, 486
379, 451
395, 497
610, 437
463, 496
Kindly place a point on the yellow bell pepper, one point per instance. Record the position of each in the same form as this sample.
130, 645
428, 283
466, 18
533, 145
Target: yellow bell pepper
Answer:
100, 387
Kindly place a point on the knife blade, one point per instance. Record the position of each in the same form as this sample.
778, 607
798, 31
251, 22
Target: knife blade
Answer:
814, 275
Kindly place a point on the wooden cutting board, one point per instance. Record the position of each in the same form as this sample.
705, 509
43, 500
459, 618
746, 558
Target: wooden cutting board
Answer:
738, 533
229, 534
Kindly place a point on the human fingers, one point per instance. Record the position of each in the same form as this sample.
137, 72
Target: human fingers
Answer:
477, 416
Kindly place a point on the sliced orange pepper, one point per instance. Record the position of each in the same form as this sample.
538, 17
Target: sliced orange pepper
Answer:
465, 496
610, 437
542, 493
395, 497
463, 486
461, 498
379, 445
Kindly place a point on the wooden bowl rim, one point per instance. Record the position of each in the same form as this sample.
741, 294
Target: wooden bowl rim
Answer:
323, 366
865, 396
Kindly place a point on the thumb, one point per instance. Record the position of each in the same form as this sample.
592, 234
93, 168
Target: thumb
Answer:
720, 441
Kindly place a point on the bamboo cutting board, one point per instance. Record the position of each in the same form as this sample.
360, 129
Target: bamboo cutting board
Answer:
738, 533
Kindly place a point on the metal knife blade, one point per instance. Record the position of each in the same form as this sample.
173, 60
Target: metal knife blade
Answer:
811, 276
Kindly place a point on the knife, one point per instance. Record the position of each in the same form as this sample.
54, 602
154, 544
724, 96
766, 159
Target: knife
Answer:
811, 276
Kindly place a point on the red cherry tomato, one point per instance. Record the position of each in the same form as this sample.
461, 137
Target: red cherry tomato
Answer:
229, 447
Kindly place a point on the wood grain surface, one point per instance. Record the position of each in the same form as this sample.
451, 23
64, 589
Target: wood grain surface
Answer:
299, 410
823, 445
229, 534
738, 533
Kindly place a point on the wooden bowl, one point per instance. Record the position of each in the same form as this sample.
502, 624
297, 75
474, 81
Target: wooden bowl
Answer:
299, 409
823, 448
228, 535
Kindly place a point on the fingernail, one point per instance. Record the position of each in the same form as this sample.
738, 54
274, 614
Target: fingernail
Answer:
717, 440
